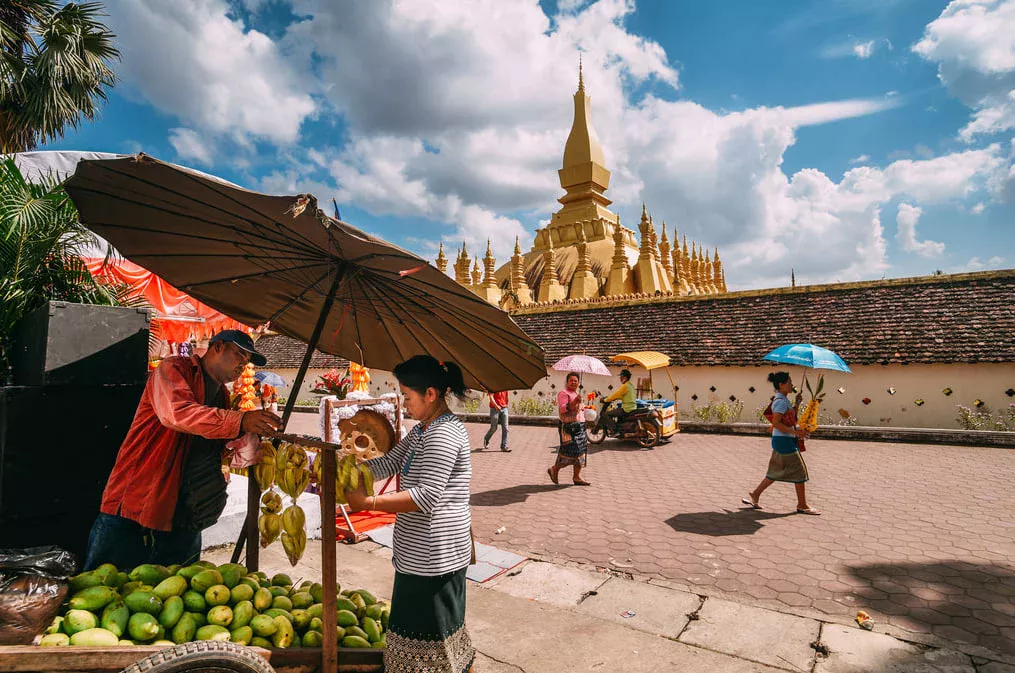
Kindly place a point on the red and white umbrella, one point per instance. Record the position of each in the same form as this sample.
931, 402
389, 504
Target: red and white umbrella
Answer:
583, 364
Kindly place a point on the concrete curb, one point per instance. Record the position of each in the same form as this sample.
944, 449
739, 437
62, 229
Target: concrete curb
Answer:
985, 438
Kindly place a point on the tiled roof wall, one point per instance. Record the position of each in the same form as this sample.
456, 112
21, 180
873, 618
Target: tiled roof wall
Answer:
283, 353
966, 318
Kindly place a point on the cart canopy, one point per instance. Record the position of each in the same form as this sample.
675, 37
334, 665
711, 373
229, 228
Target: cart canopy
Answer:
648, 359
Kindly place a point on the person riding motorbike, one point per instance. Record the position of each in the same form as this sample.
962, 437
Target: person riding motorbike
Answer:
626, 394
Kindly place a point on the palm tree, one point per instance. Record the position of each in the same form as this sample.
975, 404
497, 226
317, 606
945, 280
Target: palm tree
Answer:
41, 241
54, 69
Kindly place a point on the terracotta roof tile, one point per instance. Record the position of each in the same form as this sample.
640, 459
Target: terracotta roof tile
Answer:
283, 352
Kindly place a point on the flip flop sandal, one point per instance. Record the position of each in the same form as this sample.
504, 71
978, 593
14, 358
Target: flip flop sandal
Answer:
583, 483
751, 503
549, 472
809, 510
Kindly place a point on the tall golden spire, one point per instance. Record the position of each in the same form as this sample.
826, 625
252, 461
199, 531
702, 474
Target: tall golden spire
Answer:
477, 275
584, 284
523, 294
489, 290
581, 81
442, 260
550, 288
664, 253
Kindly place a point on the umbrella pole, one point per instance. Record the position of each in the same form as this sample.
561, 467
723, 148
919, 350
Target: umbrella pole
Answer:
249, 533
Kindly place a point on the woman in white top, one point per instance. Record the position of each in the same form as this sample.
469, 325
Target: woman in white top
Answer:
433, 539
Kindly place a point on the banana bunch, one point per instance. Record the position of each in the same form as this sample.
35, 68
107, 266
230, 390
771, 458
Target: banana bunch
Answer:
264, 470
294, 545
348, 474
809, 417
293, 519
271, 502
292, 474
269, 525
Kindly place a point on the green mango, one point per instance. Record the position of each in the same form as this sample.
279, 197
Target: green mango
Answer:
258, 641
302, 600
160, 634
263, 625
355, 641
316, 610
312, 639
301, 619
359, 602
108, 573
143, 601
279, 612
76, 621
317, 592
346, 604
199, 618
55, 640
171, 586
174, 568
380, 644
125, 643
143, 626
205, 580
149, 573
368, 598
232, 573
93, 598
121, 579
218, 594
129, 588
220, 615
240, 593
114, 618
194, 602
243, 612
56, 626
282, 603
374, 611
242, 635
316, 624
278, 591
172, 611
205, 564
297, 641
262, 599
163, 643
183, 631
372, 629
212, 632
188, 572
284, 633
250, 582
356, 631
339, 634
94, 638
347, 618
281, 580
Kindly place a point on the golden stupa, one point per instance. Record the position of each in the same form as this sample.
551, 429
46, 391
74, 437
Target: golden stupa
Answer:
590, 255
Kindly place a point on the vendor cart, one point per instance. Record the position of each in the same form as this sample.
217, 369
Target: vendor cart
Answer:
651, 360
263, 259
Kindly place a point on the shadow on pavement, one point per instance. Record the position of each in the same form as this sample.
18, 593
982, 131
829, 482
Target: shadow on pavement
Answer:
617, 445
510, 495
956, 600
726, 522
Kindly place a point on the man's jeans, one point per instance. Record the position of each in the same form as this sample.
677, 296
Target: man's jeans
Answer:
126, 544
498, 418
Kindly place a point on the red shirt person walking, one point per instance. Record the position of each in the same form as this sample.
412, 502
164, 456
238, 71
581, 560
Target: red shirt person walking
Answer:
498, 416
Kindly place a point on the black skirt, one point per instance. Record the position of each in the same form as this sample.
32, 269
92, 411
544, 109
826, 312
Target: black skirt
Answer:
426, 630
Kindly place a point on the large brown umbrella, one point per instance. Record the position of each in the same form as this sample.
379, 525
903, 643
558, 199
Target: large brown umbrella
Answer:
279, 259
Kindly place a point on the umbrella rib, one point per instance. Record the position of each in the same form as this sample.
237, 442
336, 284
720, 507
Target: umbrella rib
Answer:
394, 315
275, 316
207, 184
268, 272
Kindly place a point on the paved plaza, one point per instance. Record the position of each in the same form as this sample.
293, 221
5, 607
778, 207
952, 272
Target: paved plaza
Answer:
919, 536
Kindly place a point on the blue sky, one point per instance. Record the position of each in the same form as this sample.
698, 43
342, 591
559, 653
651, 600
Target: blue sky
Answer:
846, 139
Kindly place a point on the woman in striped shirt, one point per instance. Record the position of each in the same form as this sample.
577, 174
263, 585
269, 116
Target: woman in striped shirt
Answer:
433, 539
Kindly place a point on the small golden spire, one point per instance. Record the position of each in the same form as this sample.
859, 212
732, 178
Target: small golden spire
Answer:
581, 79
518, 247
442, 260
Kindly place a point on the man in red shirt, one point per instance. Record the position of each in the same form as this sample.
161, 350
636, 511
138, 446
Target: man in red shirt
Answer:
498, 416
167, 483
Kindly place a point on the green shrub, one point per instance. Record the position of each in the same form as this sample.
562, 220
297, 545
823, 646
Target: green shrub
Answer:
983, 419
533, 406
719, 412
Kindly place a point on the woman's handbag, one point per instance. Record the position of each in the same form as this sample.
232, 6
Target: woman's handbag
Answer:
789, 418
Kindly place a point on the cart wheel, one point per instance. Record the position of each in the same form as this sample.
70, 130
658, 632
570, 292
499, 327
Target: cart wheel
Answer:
595, 433
202, 655
648, 434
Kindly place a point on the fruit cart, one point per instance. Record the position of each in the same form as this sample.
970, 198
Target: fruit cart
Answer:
651, 360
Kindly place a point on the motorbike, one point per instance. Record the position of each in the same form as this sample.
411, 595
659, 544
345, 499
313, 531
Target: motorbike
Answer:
644, 425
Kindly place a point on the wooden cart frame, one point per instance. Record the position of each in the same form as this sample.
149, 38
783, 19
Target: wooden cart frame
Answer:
651, 360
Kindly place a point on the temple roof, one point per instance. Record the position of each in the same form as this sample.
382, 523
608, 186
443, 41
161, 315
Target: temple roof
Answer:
931, 319
283, 352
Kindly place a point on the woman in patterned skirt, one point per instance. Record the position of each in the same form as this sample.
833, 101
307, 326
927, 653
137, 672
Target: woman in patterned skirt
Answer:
787, 463
433, 528
573, 442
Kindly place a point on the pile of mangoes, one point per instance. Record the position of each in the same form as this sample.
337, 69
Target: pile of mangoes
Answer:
156, 605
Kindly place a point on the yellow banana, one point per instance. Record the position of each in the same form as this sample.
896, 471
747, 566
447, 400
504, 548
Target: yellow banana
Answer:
353, 478
293, 519
368, 478
269, 525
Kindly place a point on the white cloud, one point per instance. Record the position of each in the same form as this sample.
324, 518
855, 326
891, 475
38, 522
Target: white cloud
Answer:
864, 50
977, 264
862, 159
190, 146
973, 43
188, 58
905, 222
979, 208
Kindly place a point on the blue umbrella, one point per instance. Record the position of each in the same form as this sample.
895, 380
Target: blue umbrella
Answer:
808, 355
270, 378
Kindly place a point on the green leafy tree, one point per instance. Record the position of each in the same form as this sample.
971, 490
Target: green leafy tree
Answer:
54, 69
41, 243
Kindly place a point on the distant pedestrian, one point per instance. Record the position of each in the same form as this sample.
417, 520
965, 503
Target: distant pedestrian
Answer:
786, 463
498, 416
574, 444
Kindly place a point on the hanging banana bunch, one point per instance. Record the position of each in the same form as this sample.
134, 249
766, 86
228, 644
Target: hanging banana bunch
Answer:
349, 472
264, 469
808, 420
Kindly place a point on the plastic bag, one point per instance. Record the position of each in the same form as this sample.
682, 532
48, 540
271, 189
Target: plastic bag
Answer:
33, 584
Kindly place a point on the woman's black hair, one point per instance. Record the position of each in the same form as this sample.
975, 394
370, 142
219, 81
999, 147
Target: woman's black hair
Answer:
574, 374
778, 378
626, 373
424, 371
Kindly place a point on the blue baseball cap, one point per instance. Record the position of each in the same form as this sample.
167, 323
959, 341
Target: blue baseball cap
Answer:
242, 341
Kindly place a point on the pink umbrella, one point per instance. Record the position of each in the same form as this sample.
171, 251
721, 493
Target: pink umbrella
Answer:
583, 364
